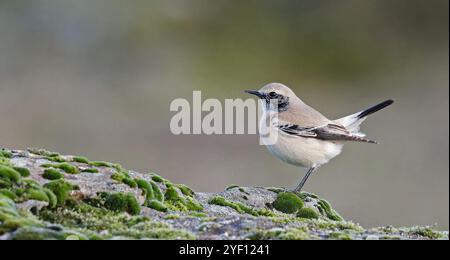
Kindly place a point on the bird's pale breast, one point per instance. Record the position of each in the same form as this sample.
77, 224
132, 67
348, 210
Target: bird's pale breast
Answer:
301, 151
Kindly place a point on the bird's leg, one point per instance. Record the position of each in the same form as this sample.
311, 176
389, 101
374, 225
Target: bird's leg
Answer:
305, 178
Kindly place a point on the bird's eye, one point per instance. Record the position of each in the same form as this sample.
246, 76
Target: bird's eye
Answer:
272, 94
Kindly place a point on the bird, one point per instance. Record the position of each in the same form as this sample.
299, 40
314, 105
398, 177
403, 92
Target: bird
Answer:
305, 137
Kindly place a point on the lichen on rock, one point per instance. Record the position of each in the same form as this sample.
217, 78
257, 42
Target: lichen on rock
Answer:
45, 195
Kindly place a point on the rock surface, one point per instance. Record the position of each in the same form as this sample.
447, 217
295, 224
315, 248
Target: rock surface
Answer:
101, 200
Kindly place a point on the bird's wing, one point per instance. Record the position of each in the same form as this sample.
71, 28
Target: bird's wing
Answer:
329, 132
301, 114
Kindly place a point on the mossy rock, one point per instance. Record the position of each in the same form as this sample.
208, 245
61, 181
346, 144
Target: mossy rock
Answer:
157, 178
80, 159
308, 213
179, 203
61, 189
100, 164
187, 191
90, 170
8, 174
288, 202
325, 208
52, 174
66, 167
146, 188
122, 202
8, 193
123, 177
239, 207
157, 205
148, 206
24, 172
157, 191
5, 154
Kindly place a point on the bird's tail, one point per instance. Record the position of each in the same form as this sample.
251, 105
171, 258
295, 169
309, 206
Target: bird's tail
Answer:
352, 122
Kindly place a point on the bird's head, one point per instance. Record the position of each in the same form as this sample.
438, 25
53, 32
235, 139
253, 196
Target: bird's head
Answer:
275, 96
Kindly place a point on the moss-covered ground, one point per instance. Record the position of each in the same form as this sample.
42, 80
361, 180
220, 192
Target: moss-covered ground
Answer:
45, 195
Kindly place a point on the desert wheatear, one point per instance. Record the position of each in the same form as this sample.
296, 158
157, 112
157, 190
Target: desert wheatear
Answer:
305, 137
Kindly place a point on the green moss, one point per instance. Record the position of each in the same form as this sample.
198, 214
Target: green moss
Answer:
122, 202
8, 211
5, 161
146, 188
281, 234
171, 194
295, 234
325, 208
66, 167
11, 219
185, 190
100, 164
307, 213
117, 177
130, 182
172, 216
174, 200
5, 154
266, 213
107, 223
340, 236
38, 233
198, 215
17, 223
239, 207
287, 202
157, 178
58, 159
6, 202
157, 191
321, 224
52, 174
5, 184
157, 205
51, 156
100, 223
167, 233
305, 196
31, 184
36, 194
90, 170
29, 189
193, 205
425, 232
24, 172
42, 152
80, 159
124, 178
8, 193
179, 203
9, 174
52, 199
61, 189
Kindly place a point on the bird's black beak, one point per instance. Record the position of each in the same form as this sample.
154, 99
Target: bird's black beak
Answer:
256, 93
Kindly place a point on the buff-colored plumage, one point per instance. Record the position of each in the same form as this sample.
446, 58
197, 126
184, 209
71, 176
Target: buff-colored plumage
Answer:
302, 136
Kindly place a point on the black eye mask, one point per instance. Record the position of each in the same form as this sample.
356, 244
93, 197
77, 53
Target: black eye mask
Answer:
283, 102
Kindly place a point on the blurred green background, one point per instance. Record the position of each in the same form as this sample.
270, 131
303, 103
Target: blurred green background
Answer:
96, 78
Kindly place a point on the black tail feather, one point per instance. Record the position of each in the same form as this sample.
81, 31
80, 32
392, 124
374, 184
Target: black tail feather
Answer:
375, 108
